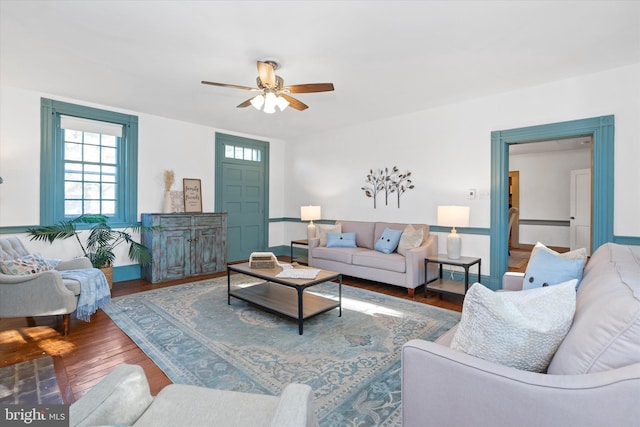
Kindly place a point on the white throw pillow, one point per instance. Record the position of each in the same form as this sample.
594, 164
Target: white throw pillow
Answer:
323, 229
520, 329
411, 238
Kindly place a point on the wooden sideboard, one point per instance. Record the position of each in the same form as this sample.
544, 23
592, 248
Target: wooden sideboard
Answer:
186, 245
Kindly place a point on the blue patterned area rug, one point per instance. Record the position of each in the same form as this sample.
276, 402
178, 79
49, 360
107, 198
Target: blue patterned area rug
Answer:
351, 362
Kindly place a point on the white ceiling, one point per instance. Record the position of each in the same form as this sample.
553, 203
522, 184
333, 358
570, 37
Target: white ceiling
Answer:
385, 58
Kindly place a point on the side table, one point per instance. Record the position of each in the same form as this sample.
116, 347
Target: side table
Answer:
302, 242
450, 286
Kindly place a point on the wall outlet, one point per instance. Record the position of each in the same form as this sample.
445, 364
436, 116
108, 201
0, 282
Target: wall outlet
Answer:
471, 193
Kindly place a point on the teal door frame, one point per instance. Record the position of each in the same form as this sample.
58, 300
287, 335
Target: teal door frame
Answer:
601, 130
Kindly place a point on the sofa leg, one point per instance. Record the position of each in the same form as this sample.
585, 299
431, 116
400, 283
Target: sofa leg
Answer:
411, 292
65, 324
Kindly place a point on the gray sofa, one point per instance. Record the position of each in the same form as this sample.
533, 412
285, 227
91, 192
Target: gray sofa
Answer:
366, 263
123, 398
593, 378
42, 294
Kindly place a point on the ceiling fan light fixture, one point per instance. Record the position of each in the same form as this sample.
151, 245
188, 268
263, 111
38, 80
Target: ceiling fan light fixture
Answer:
257, 102
270, 102
282, 103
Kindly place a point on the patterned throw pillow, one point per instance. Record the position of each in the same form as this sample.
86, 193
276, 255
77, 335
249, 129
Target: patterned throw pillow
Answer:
28, 264
521, 329
411, 238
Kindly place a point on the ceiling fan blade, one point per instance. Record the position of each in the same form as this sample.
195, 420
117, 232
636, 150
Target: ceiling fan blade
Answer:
294, 103
310, 87
245, 103
228, 85
267, 74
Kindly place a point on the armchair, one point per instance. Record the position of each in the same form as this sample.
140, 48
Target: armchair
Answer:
44, 293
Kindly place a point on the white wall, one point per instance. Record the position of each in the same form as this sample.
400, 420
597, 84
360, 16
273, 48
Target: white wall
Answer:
448, 150
545, 192
187, 148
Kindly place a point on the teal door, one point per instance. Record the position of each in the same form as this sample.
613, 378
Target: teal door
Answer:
242, 183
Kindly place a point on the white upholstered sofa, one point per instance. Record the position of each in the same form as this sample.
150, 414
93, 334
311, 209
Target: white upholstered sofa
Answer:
593, 378
366, 263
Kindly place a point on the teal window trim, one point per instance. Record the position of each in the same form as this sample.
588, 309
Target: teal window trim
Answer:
51, 162
601, 129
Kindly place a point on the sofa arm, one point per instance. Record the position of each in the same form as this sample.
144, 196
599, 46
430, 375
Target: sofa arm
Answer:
295, 407
74, 264
415, 261
448, 387
512, 281
40, 294
311, 245
119, 398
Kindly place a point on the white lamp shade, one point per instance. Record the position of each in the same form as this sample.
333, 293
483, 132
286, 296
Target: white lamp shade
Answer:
282, 103
309, 213
258, 101
453, 216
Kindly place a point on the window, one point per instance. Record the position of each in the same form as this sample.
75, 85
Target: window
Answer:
242, 153
89, 163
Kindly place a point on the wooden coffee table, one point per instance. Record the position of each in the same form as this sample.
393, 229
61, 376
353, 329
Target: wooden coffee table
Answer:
284, 296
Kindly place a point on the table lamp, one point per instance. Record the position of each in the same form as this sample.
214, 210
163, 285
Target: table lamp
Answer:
453, 216
309, 213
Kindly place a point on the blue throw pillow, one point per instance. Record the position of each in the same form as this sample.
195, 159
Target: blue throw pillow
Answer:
389, 240
341, 240
546, 269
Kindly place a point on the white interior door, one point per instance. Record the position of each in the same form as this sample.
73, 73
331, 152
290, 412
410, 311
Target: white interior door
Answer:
580, 210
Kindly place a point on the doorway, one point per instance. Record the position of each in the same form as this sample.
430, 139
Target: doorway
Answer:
601, 131
242, 190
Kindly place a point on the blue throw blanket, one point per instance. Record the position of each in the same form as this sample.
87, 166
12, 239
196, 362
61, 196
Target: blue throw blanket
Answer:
94, 290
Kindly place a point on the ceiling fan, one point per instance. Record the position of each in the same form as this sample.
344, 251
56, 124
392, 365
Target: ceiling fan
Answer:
273, 91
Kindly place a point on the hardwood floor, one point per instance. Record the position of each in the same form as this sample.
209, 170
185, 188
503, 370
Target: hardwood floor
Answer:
92, 349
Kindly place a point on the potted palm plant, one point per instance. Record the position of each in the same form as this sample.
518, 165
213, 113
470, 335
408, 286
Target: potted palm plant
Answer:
100, 243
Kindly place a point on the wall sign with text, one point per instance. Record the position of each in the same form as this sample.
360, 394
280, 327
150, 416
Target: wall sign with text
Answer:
192, 195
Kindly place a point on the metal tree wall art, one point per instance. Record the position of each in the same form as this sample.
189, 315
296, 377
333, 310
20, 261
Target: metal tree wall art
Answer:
390, 181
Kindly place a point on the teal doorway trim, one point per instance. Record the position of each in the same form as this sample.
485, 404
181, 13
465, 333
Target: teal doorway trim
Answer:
601, 130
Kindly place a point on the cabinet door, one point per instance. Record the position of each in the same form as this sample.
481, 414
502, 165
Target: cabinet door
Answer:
175, 254
208, 257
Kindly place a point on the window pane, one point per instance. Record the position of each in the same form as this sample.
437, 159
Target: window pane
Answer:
109, 155
91, 153
92, 138
247, 153
108, 207
229, 151
108, 191
91, 206
72, 151
72, 135
73, 207
238, 154
109, 140
72, 190
109, 174
91, 190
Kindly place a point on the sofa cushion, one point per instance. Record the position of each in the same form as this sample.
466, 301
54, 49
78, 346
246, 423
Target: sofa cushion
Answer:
391, 262
411, 238
606, 328
388, 241
343, 255
518, 329
364, 232
341, 240
546, 269
323, 229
